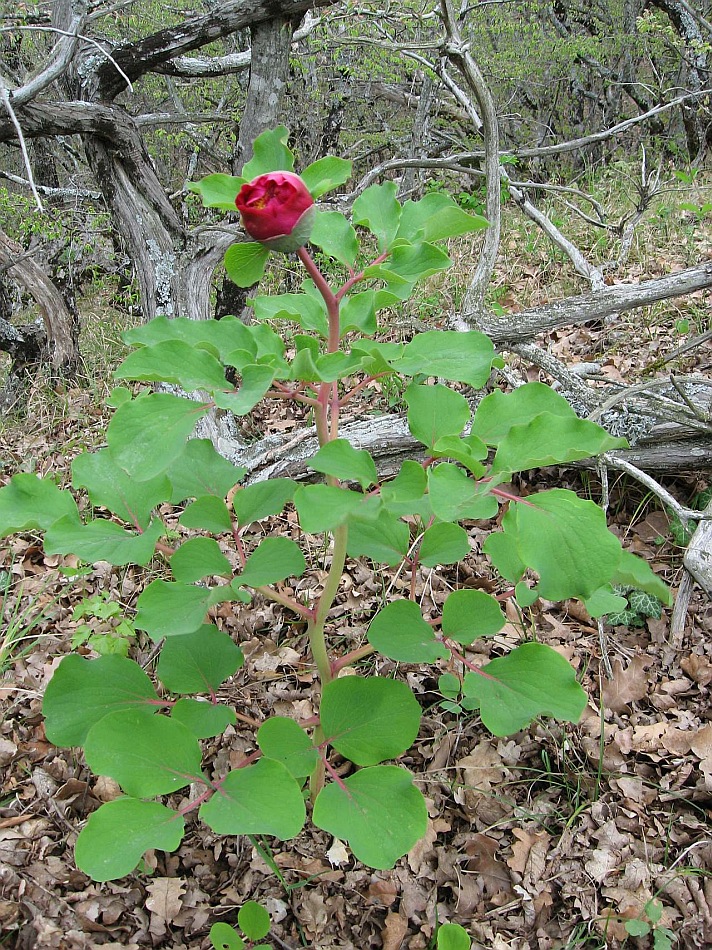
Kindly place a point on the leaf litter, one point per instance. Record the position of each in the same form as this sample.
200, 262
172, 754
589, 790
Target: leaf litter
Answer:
551, 838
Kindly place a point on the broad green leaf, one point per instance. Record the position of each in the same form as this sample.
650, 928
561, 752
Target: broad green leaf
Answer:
453, 937
378, 811
378, 209
283, 739
245, 263
404, 494
633, 571
204, 720
603, 601
385, 540
110, 487
469, 614
333, 234
262, 499
637, 928
217, 191
174, 361
274, 560
469, 451
399, 632
208, 512
444, 543
459, 357
358, 312
308, 311
82, 691
435, 412
256, 380
340, 459
549, 440
147, 434
200, 470
564, 539
325, 174
325, 507
369, 720
166, 609
218, 337
414, 262
146, 755
503, 551
259, 799
224, 937
102, 540
533, 680
270, 154
197, 558
436, 217
198, 662
28, 502
119, 833
498, 412
454, 496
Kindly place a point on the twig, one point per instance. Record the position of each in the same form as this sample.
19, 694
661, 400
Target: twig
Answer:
684, 514
5, 97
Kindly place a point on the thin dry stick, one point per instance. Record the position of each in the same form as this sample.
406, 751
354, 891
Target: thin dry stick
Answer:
5, 96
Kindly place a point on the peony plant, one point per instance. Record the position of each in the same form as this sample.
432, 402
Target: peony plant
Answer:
341, 768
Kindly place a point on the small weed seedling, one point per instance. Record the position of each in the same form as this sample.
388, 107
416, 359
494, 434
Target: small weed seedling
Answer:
663, 937
254, 923
553, 544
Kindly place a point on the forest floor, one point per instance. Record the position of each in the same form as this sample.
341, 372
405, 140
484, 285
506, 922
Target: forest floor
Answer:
555, 837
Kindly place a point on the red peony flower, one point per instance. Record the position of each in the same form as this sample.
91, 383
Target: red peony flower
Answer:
277, 210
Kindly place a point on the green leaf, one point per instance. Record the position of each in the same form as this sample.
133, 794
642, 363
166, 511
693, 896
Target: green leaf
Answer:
533, 680
637, 928
255, 382
274, 560
325, 174
119, 833
436, 217
309, 312
225, 937
414, 262
358, 312
198, 662
469, 614
110, 487
564, 539
378, 209
498, 412
174, 361
103, 541
340, 459
469, 451
378, 811
459, 357
167, 609
218, 337
204, 720
549, 440
245, 263
28, 502
404, 494
82, 691
369, 720
259, 799
453, 937
262, 499
146, 755
603, 601
270, 154
208, 512
147, 434
197, 558
333, 234
200, 470
283, 739
385, 540
444, 543
633, 571
454, 496
217, 191
435, 412
325, 507
399, 632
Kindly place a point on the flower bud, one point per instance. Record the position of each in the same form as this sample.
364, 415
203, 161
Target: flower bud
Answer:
277, 210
